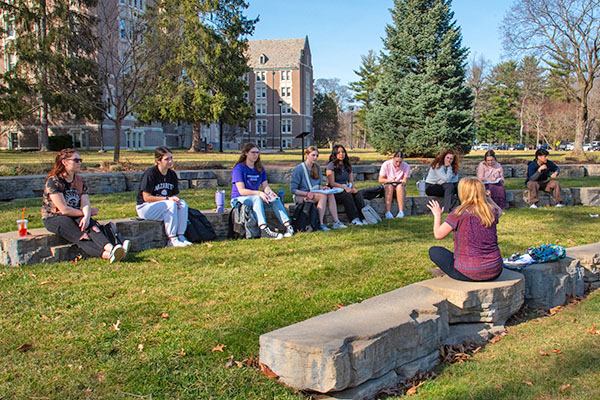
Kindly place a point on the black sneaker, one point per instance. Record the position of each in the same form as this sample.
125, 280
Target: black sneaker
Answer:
268, 233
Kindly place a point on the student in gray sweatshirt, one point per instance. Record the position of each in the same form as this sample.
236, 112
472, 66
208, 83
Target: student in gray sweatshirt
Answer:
442, 179
306, 177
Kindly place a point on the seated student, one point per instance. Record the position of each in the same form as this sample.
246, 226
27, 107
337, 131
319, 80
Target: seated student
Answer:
490, 172
476, 254
248, 177
306, 177
539, 172
442, 178
66, 210
339, 174
394, 174
157, 198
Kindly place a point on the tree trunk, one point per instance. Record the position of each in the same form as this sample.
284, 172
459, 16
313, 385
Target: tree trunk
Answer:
118, 124
582, 116
196, 139
522, 128
44, 70
220, 136
44, 127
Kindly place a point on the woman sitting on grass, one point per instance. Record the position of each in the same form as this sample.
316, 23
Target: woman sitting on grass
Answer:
248, 178
157, 198
442, 178
476, 254
306, 177
490, 172
66, 210
339, 174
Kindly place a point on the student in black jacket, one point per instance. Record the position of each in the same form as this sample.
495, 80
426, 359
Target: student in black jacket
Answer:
539, 172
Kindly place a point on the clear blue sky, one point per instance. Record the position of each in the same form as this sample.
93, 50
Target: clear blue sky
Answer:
340, 31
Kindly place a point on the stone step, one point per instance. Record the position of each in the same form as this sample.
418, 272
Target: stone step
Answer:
491, 302
399, 331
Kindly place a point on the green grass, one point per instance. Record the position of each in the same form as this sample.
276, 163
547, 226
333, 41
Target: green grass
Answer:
230, 293
23, 163
122, 205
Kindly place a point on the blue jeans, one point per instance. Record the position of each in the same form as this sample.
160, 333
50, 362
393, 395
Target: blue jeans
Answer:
258, 206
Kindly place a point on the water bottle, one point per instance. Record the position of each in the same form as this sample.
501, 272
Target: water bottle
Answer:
281, 193
220, 201
421, 187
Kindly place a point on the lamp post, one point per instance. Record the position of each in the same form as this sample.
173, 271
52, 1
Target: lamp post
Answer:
280, 126
351, 124
273, 105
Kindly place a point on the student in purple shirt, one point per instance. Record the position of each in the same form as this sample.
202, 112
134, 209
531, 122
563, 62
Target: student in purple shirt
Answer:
476, 254
248, 178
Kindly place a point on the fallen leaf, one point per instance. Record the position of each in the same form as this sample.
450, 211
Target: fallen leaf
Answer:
25, 347
115, 327
219, 347
140, 347
44, 317
340, 305
565, 387
45, 282
239, 364
543, 353
154, 261
593, 330
223, 244
413, 390
111, 295
209, 245
498, 387
181, 352
221, 265
556, 309
229, 363
496, 339
164, 315
557, 351
528, 383
265, 370
577, 379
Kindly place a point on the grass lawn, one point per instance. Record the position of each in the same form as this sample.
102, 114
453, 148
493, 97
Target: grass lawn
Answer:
151, 326
122, 205
23, 163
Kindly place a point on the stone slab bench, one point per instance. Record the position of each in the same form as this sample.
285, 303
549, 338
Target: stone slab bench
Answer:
589, 259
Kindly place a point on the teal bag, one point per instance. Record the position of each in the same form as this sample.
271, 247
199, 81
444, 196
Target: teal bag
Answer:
546, 253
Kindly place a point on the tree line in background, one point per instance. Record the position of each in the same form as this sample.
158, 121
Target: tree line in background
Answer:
167, 61
420, 95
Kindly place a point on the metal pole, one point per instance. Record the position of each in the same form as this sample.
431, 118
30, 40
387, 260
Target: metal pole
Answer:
280, 126
272, 105
351, 124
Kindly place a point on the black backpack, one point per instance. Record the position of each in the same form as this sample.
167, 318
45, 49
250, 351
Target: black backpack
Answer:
199, 229
306, 217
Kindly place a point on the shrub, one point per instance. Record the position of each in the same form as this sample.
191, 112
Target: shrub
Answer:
59, 142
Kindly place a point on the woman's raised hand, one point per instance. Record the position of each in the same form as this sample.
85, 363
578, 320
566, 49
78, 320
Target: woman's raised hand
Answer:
435, 208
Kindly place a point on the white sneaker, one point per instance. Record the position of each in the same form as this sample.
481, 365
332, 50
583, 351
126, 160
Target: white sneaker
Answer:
400, 214
117, 253
126, 245
533, 206
183, 240
357, 221
389, 215
174, 242
324, 228
338, 225
559, 205
289, 231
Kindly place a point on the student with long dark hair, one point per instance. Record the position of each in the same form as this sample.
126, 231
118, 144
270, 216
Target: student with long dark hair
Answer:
476, 255
306, 178
157, 198
442, 178
339, 174
248, 178
66, 209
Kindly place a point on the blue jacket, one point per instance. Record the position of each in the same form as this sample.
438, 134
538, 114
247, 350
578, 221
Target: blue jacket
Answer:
534, 175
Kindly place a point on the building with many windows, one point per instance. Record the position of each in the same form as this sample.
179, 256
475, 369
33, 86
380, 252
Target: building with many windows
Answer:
281, 90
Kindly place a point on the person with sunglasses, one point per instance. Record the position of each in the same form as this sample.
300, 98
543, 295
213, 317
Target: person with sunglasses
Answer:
66, 210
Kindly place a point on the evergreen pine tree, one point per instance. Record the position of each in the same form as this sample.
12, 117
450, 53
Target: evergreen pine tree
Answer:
365, 89
421, 104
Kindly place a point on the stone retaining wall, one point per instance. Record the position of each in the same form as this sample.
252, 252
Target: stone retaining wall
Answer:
17, 187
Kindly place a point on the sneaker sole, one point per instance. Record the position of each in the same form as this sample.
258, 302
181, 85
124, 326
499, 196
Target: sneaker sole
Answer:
118, 254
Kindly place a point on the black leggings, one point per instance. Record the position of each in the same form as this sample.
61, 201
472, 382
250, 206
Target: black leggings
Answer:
444, 259
68, 228
353, 204
448, 191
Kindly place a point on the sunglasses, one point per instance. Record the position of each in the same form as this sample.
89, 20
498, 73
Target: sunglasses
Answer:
75, 160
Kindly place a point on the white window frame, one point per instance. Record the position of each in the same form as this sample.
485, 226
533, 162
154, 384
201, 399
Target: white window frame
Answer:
286, 108
78, 135
261, 92
135, 139
285, 91
260, 108
261, 126
286, 143
261, 76
286, 75
287, 125
260, 143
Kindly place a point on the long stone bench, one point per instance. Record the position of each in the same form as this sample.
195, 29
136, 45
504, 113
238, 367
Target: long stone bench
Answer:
358, 350
16, 187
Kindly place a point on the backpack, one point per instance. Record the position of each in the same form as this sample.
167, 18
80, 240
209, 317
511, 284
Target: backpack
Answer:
372, 192
546, 253
243, 223
199, 229
306, 217
111, 233
370, 215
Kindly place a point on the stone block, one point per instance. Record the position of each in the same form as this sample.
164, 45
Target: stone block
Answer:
467, 170
224, 177
592, 169
279, 175
519, 171
345, 348
508, 171
589, 259
478, 332
572, 171
204, 183
132, 180
196, 174
105, 183
492, 302
19, 187
589, 196
183, 185
419, 171
516, 198
367, 390
550, 284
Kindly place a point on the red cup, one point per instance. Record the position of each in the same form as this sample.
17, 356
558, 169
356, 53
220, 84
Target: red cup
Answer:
22, 227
